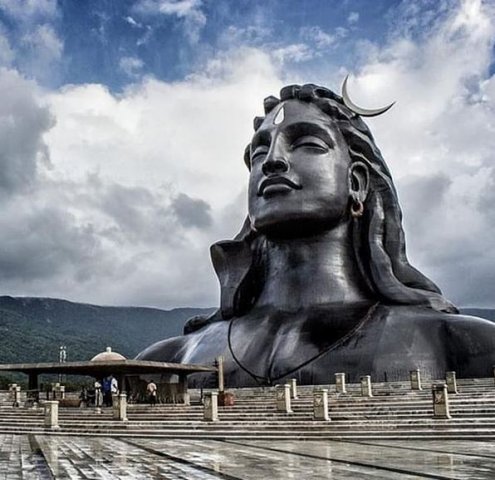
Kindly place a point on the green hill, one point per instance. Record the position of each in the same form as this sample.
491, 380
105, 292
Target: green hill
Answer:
32, 329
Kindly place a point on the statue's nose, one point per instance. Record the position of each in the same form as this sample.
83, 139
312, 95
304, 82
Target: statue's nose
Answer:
273, 165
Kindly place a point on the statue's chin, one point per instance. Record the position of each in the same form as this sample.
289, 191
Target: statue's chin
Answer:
295, 228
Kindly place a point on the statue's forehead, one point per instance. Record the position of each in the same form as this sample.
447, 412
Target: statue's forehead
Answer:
293, 111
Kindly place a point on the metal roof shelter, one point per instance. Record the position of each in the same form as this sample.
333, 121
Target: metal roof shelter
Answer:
99, 369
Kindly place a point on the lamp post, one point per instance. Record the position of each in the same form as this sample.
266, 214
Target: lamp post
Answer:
62, 358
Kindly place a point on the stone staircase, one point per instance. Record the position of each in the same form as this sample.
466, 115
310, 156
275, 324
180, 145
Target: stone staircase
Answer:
394, 412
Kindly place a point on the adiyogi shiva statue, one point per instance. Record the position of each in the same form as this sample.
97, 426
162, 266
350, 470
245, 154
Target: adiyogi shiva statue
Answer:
318, 281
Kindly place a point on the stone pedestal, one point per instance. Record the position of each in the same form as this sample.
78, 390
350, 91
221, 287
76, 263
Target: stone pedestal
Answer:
320, 404
293, 388
120, 407
210, 403
440, 401
283, 398
366, 386
51, 414
184, 398
221, 383
451, 380
340, 383
415, 377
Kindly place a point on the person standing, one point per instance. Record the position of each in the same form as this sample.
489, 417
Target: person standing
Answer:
98, 396
152, 390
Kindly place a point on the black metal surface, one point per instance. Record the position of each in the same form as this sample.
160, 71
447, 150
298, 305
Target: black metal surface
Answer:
309, 289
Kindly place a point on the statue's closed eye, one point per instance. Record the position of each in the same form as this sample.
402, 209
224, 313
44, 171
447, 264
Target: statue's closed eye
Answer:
259, 153
310, 141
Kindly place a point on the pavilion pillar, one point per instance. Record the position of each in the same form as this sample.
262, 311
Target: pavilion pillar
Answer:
33, 381
182, 393
121, 382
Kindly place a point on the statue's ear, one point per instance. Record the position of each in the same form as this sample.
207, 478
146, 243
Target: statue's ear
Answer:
247, 157
232, 261
359, 181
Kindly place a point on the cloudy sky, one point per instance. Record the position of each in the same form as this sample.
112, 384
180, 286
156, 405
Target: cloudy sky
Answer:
123, 124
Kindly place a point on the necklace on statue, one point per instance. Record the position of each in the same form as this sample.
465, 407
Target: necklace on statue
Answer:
263, 380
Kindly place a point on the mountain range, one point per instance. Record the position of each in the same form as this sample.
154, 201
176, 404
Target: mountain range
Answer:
32, 329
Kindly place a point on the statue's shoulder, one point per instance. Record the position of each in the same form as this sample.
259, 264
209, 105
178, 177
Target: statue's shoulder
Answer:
168, 350
468, 342
423, 316
198, 322
201, 346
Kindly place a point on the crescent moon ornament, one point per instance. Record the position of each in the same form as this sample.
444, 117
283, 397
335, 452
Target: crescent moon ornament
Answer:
361, 111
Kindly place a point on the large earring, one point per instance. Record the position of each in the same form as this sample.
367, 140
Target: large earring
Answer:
357, 209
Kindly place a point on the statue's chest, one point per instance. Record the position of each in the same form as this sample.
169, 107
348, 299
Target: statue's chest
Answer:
276, 345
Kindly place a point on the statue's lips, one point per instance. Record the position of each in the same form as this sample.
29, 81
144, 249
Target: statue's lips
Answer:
276, 184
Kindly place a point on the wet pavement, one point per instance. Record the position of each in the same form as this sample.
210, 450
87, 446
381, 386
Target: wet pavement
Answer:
87, 457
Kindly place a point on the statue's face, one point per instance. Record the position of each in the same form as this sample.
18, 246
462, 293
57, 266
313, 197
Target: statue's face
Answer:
299, 170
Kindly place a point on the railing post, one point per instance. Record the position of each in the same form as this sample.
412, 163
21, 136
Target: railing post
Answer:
440, 401
120, 407
51, 414
451, 380
366, 386
221, 382
340, 383
283, 398
320, 404
415, 376
211, 406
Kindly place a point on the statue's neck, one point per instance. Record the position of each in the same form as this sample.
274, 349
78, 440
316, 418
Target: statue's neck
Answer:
312, 272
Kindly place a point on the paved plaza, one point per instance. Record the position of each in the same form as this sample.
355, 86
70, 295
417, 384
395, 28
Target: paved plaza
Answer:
87, 457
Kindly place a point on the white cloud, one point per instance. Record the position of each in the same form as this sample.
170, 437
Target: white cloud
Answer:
132, 198
297, 52
23, 122
441, 133
132, 22
138, 185
353, 18
6, 52
28, 10
320, 38
45, 44
33, 46
188, 10
131, 66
